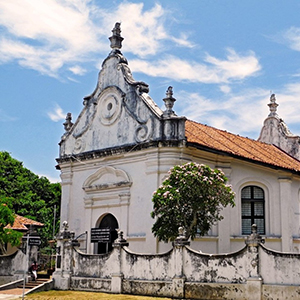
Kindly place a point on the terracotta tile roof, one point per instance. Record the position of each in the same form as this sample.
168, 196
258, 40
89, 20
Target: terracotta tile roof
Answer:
22, 223
239, 146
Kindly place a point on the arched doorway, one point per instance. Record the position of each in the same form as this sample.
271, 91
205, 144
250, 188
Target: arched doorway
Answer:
110, 222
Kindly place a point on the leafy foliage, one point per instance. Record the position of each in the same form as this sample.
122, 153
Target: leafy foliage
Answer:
32, 196
7, 217
192, 197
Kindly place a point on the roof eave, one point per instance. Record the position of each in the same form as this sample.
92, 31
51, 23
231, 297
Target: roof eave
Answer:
220, 152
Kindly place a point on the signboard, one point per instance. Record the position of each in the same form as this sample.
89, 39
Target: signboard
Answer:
31, 240
100, 235
34, 241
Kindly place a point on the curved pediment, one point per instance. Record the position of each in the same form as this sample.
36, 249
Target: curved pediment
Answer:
105, 178
119, 112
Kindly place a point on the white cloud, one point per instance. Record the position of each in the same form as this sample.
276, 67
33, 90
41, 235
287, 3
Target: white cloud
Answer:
292, 36
289, 103
241, 113
56, 22
225, 89
4, 117
77, 70
47, 35
72, 79
46, 62
234, 67
183, 41
143, 30
57, 114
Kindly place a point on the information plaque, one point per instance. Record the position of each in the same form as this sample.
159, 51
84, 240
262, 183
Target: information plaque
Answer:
100, 235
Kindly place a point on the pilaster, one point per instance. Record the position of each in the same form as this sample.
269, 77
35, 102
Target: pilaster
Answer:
224, 226
66, 191
285, 185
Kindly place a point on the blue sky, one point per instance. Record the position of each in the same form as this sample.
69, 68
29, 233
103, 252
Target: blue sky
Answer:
223, 59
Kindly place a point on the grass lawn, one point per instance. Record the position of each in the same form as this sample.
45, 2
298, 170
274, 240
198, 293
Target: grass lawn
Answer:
71, 295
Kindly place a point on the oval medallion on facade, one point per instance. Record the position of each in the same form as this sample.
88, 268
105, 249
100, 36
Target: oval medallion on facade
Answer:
109, 107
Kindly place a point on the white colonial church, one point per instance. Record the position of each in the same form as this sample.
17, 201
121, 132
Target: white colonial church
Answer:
122, 145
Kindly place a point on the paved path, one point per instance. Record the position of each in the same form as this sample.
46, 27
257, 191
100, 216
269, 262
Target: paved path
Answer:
17, 293
12, 294
9, 297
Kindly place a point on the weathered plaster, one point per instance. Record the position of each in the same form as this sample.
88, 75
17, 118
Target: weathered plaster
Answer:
253, 273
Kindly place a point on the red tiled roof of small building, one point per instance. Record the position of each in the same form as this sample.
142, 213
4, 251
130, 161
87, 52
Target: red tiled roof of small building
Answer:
239, 146
23, 224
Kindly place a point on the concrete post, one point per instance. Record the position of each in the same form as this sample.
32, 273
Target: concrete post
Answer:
254, 281
179, 278
63, 272
254, 288
116, 278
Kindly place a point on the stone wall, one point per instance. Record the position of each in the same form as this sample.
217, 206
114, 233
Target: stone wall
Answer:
12, 267
254, 272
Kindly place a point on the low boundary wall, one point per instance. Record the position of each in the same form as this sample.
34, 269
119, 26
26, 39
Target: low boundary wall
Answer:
254, 272
12, 267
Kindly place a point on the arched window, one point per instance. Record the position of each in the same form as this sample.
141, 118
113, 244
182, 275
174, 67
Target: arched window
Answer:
253, 209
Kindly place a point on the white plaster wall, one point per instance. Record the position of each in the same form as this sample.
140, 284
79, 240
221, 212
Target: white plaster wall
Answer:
146, 170
279, 268
120, 113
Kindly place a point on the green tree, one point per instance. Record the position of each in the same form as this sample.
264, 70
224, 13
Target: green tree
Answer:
7, 217
192, 196
33, 197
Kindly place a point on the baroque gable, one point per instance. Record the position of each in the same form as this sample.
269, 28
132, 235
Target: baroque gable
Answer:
119, 112
276, 132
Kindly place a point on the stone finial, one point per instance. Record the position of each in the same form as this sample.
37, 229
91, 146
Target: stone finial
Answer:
273, 106
68, 124
120, 241
181, 240
116, 39
254, 238
181, 232
65, 233
169, 102
65, 225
